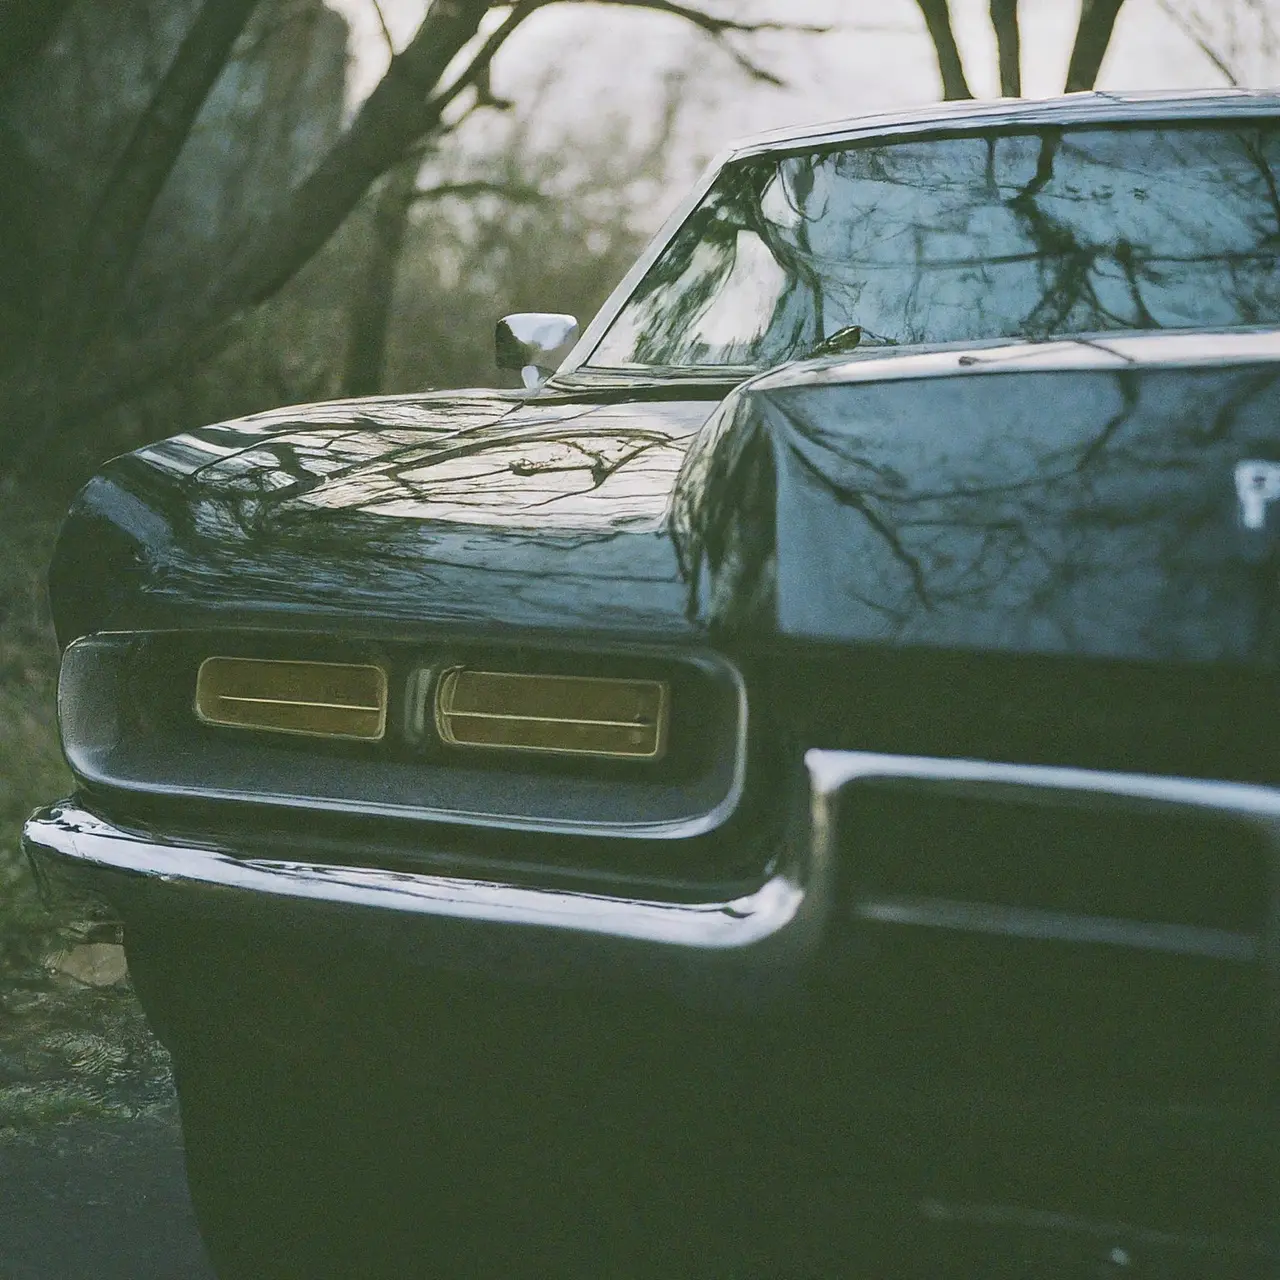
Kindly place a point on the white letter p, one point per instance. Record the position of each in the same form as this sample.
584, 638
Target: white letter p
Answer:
1258, 485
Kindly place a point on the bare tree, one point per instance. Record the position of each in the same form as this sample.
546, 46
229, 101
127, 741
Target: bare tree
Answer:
371, 306
115, 228
1093, 37
1227, 32
93, 352
1004, 18
1237, 39
937, 17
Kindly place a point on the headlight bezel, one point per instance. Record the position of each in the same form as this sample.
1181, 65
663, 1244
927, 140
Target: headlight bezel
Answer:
129, 725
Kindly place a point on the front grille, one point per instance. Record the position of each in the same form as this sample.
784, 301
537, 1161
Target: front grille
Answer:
1056, 923
270, 723
1063, 858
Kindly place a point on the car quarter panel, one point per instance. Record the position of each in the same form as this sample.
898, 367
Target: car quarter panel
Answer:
1089, 511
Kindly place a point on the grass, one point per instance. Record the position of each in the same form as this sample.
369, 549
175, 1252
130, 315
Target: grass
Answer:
70, 1052
32, 770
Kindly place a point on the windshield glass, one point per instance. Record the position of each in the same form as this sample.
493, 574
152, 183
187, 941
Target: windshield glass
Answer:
1028, 234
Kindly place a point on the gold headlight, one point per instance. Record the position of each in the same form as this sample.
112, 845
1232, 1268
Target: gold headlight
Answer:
564, 715
319, 699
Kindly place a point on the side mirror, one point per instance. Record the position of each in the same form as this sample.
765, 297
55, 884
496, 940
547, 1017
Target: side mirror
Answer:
524, 341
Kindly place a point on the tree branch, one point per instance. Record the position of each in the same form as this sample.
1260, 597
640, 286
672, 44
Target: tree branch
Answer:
1093, 37
407, 107
707, 22
370, 316
718, 29
395, 114
476, 71
1004, 18
115, 228
1198, 38
480, 187
937, 17
386, 30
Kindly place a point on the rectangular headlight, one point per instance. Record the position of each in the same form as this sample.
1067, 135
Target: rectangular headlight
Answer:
564, 715
319, 699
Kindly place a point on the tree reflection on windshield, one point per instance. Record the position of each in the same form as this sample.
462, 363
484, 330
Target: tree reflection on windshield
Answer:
956, 239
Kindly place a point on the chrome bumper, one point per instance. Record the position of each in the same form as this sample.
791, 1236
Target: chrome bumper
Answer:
735, 952
746, 950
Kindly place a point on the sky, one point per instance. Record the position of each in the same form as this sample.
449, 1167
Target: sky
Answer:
585, 63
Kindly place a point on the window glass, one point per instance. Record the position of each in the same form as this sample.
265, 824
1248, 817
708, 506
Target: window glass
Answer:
954, 239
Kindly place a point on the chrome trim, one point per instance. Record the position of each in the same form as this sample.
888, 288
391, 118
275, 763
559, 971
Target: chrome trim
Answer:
748, 949
1060, 926
286, 702
1207, 349
832, 771
745, 949
1141, 107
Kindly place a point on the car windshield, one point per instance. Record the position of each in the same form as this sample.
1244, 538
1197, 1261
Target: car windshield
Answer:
1025, 234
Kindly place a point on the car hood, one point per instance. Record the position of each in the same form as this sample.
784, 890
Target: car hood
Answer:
475, 508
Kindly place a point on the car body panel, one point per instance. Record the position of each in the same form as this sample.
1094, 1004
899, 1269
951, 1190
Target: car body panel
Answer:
314, 513
750, 951
1000, 798
1079, 498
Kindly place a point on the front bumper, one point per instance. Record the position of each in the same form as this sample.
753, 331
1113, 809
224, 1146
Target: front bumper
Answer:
752, 949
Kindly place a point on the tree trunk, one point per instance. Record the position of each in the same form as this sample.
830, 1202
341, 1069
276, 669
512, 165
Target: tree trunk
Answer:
371, 308
1093, 37
396, 114
937, 17
399, 111
1004, 18
103, 364
115, 229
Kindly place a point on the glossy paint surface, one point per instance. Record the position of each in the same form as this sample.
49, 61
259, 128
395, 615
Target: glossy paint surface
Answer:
470, 509
1073, 498
1059, 506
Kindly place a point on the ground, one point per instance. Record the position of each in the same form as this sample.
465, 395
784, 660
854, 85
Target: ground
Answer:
91, 1173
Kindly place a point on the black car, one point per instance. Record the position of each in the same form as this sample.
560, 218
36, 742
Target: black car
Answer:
791, 792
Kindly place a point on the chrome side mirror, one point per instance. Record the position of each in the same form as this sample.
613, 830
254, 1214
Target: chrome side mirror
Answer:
525, 340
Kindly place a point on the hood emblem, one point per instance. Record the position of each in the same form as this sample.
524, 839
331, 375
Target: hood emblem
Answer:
1257, 486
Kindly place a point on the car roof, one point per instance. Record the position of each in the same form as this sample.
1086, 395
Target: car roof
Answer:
1071, 108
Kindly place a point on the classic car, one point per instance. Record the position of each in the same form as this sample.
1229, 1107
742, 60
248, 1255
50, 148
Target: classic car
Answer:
789, 790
